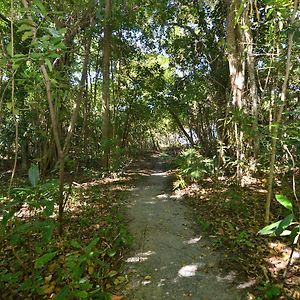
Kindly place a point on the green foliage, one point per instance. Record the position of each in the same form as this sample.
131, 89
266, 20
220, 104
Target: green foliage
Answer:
41, 261
271, 291
34, 174
243, 240
280, 227
76, 269
204, 225
192, 167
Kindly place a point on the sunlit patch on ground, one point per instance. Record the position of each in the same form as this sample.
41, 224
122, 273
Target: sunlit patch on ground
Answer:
140, 257
247, 284
281, 255
193, 240
189, 270
229, 277
163, 174
161, 282
162, 196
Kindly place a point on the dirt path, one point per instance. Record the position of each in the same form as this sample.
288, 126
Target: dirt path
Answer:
168, 260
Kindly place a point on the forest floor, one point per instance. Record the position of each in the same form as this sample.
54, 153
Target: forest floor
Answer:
196, 242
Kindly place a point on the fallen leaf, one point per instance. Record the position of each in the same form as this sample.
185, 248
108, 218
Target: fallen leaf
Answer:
49, 289
48, 278
221, 231
115, 297
52, 267
91, 270
112, 273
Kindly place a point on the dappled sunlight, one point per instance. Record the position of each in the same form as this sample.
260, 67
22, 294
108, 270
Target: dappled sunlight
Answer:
193, 240
162, 196
163, 174
189, 270
162, 282
246, 284
140, 257
176, 196
229, 277
145, 282
150, 202
262, 191
280, 257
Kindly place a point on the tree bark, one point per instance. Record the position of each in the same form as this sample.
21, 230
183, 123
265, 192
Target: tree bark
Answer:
106, 130
252, 80
181, 127
236, 62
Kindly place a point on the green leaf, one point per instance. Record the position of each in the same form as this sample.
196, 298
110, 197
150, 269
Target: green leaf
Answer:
111, 252
273, 291
91, 245
40, 6
26, 35
36, 56
24, 27
49, 65
277, 227
285, 202
286, 222
64, 294
34, 174
41, 261
81, 294
9, 49
269, 229
47, 230
295, 234
75, 244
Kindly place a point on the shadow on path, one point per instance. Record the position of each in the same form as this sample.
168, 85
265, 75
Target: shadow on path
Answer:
167, 260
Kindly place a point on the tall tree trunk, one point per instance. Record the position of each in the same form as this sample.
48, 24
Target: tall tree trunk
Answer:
106, 130
279, 116
252, 78
236, 62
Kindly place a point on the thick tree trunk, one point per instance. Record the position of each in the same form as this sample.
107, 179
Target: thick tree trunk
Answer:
106, 126
236, 62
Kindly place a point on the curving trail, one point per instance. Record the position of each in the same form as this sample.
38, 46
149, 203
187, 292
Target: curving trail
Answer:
168, 261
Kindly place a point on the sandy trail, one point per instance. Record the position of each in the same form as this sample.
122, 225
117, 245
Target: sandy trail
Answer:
168, 261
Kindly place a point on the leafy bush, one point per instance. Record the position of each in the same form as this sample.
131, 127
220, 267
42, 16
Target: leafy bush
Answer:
192, 167
281, 228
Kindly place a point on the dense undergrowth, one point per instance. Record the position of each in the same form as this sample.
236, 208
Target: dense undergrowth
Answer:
83, 263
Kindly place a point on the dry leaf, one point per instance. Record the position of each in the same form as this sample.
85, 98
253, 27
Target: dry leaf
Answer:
91, 270
115, 297
221, 231
49, 289
48, 278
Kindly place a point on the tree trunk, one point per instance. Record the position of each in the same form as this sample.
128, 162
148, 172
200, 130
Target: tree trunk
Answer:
236, 62
252, 81
181, 127
106, 130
